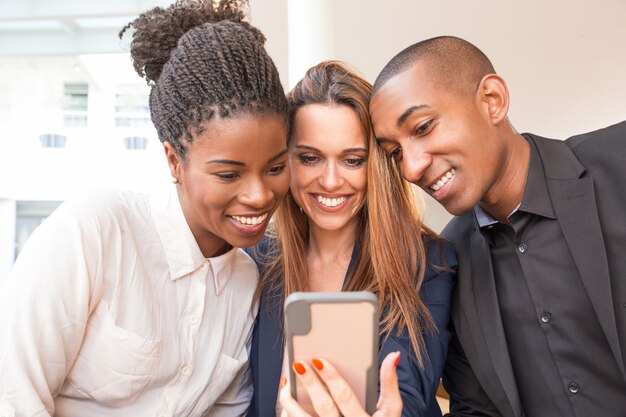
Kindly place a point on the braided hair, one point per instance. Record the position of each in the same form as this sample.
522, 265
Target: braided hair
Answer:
202, 60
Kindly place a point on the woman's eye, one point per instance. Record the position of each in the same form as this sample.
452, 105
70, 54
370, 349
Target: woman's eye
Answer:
308, 159
354, 162
228, 176
423, 128
277, 169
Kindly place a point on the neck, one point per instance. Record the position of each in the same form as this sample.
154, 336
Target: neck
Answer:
215, 249
328, 257
508, 190
331, 246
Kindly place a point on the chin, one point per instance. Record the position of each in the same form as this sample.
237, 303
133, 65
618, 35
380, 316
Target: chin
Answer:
331, 226
245, 242
457, 209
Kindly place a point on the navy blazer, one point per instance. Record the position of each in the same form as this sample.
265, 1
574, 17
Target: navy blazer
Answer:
417, 386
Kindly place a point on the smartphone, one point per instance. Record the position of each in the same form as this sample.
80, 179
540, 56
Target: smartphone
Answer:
341, 328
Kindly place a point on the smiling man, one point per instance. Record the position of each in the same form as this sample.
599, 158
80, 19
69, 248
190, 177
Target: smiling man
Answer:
540, 305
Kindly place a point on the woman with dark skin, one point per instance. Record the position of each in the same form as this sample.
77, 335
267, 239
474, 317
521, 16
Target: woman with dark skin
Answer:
123, 304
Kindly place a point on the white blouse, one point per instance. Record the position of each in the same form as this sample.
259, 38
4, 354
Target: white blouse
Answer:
112, 310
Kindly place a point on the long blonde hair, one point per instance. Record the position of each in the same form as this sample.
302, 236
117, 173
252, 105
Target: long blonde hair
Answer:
392, 258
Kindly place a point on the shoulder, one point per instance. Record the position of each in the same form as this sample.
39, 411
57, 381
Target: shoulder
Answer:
440, 253
441, 266
459, 227
243, 262
99, 210
264, 251
614, 135
599, 148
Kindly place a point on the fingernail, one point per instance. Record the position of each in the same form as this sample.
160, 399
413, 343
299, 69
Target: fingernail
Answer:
299, 368
318, 364
283, 382
397, 360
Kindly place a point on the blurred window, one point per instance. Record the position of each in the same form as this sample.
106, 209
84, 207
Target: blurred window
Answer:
135, 142
75, 97
29, 215
52, 140
131, 109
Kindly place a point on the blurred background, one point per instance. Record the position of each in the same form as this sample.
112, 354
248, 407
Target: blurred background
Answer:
74, 115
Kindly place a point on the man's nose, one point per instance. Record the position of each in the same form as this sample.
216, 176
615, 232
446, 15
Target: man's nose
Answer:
413, 165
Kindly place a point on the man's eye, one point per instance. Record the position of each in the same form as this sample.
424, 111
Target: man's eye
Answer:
423, 128
396, 154
277, 169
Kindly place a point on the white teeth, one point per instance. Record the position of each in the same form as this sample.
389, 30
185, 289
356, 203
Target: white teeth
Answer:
331, 202
436, 186
250, 221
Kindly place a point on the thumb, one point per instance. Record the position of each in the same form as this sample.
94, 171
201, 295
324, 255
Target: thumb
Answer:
390, 401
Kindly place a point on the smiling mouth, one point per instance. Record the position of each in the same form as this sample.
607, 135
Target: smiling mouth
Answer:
444, 179
331, 202
250, 220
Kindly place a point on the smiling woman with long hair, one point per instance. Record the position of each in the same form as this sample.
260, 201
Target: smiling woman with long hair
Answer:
351, 223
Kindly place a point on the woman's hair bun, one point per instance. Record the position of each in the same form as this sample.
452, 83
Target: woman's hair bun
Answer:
156, 32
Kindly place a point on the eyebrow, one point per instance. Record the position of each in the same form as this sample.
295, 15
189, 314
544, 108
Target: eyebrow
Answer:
408, 112
347, 150
278, 155
310, 148
226, 161
243, 164
351, 150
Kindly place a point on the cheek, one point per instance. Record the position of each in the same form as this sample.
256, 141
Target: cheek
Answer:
359, 179
280, 185
213, 199
301, 178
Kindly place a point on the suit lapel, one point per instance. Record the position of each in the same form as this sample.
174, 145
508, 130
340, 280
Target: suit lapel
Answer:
575, 206
573, 199
490, 323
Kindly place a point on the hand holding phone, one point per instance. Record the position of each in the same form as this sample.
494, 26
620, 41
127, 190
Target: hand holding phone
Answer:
337, 328
326, 387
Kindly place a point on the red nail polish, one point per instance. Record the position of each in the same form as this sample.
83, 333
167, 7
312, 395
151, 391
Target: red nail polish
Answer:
318, 364
397, 360
299, 368
283, 382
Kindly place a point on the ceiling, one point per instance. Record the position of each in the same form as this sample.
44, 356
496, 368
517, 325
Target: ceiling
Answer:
68, 27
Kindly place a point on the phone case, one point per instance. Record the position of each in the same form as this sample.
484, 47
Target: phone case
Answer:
341, 328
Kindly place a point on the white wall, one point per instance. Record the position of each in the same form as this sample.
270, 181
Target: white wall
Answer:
564, 61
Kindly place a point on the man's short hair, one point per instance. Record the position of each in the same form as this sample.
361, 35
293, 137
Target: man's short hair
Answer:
450, 60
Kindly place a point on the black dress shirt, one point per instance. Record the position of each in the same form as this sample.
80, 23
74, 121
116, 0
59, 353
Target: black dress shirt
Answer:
561, 359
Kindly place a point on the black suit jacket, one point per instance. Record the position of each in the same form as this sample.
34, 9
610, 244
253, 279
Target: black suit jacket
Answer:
586, 180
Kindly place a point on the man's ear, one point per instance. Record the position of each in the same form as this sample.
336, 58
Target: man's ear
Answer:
173, 160
493, 97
